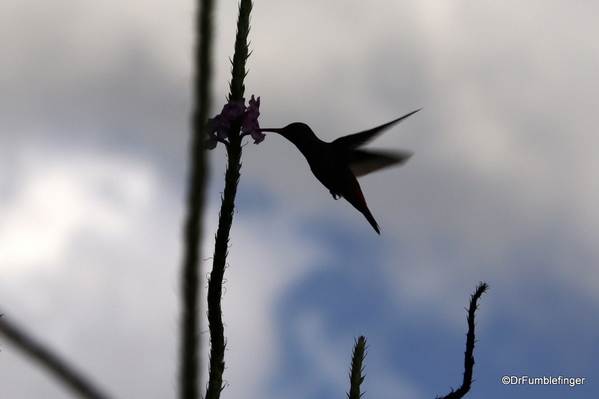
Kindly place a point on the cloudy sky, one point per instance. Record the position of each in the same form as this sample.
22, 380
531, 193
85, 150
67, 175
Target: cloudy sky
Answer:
503, 188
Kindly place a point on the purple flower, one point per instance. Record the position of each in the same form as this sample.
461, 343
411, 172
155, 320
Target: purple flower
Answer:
233, 109
250, 122
219, 127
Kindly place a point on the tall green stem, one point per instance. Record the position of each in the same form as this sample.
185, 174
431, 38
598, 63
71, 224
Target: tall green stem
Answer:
215, 322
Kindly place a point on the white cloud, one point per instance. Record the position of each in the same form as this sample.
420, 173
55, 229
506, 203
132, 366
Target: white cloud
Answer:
64, 192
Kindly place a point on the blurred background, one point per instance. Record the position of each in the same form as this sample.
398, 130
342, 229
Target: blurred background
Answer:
503, 188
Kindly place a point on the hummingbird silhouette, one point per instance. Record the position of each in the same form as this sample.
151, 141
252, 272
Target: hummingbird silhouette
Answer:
337, 164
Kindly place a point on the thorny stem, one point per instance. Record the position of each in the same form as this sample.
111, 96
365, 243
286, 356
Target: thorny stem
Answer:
215, 322
356, 376
470, 341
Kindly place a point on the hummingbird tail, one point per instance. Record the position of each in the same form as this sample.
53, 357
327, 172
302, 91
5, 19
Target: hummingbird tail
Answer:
356, 198
371, 220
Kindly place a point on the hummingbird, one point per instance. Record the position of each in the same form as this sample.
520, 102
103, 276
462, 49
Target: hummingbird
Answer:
337, 164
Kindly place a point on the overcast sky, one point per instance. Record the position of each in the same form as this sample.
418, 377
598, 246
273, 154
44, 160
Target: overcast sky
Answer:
503, 188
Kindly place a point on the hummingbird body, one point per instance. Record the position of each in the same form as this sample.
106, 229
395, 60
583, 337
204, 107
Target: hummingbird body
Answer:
337, 164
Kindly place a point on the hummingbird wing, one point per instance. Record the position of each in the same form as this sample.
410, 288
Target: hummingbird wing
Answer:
357, 139
363, 162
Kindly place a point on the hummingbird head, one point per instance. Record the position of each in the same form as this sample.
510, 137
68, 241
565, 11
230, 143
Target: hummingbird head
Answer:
298, 133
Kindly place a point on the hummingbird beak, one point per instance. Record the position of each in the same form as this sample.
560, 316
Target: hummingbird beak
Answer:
274, 130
